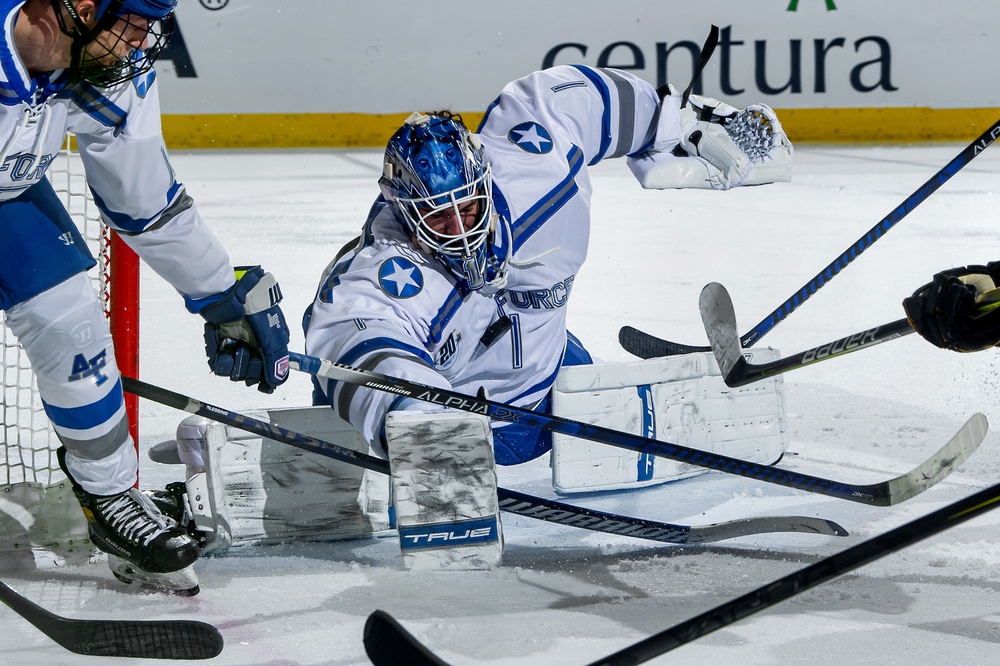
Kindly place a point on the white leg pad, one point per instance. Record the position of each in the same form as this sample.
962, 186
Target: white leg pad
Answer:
445, 490
42, 527
678, 399
246, 490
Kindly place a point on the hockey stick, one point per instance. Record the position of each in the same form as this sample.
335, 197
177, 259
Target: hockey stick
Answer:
884, 493
510, 501
707, 49
644, 345
719, 317
388, 643
141, 639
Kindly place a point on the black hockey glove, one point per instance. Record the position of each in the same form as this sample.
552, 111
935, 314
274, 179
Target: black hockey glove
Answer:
246, 337
952, 311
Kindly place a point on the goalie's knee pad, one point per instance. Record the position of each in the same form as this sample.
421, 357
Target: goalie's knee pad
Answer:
445, 490
678, 399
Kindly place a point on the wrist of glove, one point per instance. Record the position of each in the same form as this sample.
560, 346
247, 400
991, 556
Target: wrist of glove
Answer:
724, 147
952, 311
246, 337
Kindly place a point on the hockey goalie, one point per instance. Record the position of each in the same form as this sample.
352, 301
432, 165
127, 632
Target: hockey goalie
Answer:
461, 278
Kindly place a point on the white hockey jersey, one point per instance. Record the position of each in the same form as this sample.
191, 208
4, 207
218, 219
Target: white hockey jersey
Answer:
387, 307
119, 137
539, 136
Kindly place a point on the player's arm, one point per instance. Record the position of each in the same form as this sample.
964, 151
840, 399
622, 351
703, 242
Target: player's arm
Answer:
139, 196
954, 311
605, 112
375, 345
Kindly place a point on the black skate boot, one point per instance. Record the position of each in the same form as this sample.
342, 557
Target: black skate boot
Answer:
142, 544
173, 503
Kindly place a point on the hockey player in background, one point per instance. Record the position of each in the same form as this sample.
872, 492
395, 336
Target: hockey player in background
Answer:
465, 267
944, 311
86, 66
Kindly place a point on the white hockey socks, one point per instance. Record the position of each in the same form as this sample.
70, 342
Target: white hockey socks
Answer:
445, 490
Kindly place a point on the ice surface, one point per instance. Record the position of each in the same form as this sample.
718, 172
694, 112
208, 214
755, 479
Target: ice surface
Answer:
566, 596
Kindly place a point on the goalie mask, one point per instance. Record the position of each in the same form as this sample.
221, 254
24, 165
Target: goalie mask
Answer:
440, 187
115, 40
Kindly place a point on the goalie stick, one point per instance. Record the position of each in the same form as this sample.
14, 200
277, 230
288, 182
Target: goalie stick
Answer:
387, 643
140, 639
884, 493
511, 501
719, 317
645, 345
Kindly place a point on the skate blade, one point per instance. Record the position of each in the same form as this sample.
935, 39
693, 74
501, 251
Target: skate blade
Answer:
183, 583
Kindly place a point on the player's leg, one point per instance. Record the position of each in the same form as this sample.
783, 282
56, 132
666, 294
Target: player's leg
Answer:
515, 443
679, 399
54, 312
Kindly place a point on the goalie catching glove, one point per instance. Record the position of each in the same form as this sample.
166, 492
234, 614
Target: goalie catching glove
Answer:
953, 311
709, 144
246, 337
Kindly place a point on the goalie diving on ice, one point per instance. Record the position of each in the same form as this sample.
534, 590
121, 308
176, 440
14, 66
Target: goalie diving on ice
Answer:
463, 273
462, 276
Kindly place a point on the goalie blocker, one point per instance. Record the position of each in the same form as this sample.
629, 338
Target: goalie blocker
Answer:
244, 490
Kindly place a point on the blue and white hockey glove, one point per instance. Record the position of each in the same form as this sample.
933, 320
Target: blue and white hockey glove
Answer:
246, 337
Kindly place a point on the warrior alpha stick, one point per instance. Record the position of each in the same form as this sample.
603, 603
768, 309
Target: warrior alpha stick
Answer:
885, 493
510, 501
139, 639
644, 345
388, 643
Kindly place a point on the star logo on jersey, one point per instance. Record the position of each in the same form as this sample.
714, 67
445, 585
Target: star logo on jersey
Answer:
531, 137
399, 278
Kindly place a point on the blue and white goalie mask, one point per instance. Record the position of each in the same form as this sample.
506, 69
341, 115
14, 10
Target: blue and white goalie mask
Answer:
440, 187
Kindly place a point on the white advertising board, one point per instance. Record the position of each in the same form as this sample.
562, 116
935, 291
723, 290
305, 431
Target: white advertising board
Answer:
392, 57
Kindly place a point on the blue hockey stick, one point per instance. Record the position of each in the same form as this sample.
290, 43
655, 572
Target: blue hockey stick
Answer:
511, 501
885, 493
644, 345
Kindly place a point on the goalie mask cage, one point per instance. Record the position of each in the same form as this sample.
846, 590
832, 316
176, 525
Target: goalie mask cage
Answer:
29, 442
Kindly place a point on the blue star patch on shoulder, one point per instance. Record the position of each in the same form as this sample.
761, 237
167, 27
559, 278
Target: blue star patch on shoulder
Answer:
400, 278
143, 82
531, 137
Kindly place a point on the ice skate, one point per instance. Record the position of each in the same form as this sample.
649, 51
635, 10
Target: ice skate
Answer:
144, 547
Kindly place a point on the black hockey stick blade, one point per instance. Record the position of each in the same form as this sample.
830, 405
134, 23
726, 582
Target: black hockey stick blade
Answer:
511, 501
644, 345
395, 645
884, 493
719, 317
387, 643
648, 346
736, 364
815, 574
139, 639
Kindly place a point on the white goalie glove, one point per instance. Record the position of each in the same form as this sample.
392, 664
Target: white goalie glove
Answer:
709, 144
